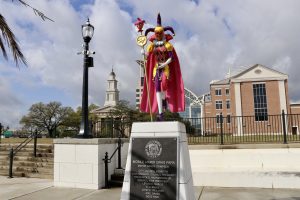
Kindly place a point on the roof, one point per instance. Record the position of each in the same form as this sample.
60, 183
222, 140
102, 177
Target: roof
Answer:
221, 82
256, 65
227, 80
103, 109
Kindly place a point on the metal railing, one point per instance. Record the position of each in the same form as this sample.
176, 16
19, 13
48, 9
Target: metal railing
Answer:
281, 128
13, 152
107, 160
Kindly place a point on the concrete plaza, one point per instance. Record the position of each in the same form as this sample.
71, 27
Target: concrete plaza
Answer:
42, 189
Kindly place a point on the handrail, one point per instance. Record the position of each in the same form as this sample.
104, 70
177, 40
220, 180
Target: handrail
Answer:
13, 152
108, 160
23, 144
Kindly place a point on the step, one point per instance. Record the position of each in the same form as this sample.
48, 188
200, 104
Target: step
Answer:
41, 147
30, 150
27, 174
18, 169
114, 184
15, 174
27, 171
28, 163
30, 144
28, 154
43, 176
26, 158
117, 177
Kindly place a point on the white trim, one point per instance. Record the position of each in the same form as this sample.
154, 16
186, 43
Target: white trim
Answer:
219, 86
237, 80
294, 106
261, 82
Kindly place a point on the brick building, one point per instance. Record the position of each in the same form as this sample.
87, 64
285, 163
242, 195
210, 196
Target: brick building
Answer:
257, 91
258, 94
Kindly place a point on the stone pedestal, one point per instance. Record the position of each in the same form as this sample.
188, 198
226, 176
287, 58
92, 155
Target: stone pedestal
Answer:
78, 162
158, 163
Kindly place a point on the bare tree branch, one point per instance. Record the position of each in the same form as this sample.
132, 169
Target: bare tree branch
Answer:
36, 11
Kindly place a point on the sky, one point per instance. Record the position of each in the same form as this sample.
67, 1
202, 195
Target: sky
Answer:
211, 37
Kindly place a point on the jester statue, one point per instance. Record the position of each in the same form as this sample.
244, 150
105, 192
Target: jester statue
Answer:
164, 80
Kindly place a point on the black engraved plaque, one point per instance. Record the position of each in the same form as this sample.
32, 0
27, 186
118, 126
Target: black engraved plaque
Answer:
154, 168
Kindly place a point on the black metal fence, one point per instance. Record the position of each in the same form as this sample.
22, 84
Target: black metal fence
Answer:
281, 128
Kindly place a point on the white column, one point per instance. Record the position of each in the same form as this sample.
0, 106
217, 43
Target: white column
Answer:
238, 106
282, 96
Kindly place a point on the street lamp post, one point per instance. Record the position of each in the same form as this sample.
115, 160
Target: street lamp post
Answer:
87, 34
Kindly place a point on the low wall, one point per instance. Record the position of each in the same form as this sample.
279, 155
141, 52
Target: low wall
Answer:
78, 162
263, 166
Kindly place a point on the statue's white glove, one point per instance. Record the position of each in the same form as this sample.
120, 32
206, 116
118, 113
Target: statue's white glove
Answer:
162, 65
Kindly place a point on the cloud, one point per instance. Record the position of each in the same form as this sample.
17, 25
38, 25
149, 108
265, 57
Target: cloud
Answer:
211, 36
10, 105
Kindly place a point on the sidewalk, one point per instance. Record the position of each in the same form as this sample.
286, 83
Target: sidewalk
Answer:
41, 189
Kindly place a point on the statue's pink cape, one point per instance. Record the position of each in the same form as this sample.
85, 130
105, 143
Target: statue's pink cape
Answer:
175, 91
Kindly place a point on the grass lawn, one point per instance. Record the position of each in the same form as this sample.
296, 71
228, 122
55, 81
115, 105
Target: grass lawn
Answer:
20, 140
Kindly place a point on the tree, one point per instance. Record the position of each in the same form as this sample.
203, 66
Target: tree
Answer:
9, 38
122, 110
71, 124
120, 118
46, 116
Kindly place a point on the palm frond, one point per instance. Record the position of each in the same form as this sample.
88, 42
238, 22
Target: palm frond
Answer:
11, 41
3, 48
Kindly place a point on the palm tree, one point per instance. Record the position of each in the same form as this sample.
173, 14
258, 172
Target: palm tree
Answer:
10, 40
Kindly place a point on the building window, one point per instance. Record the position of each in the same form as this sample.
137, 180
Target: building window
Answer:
219, 105
260, 102
207, 98
227, 91
228, 104
218, 92
228, 119
218, 118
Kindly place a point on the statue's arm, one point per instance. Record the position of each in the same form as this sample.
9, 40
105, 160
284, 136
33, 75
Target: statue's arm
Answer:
170, 55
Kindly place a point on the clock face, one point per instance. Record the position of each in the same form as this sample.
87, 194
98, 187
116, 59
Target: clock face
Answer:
141, 40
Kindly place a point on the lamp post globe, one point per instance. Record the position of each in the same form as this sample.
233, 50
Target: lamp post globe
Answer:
87, 31
87, 34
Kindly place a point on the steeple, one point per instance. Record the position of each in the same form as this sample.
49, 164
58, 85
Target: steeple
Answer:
112, 92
